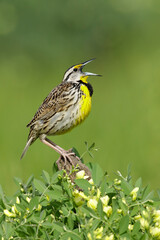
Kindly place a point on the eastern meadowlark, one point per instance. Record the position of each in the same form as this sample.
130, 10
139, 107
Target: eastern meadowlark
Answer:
66, 106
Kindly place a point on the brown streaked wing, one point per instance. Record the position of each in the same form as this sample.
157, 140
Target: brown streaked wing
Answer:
54, 102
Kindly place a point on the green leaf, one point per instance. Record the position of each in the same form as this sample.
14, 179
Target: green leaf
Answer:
76, 152
150, 196
2, 194
33, 203
147, 195
91, 147
83, 184
70, 222
158, 192
127, 188
103, 185
89, 211
54, 168
95, 224
39, 185
8, 229
46, 177
29, 181
136, 228
100, 209
67, 188
123, 225
144, 237
55, 194
129, 172
138, 183
123, 206
72, 235
42, 215
54, 178
65, 211
58, 226
18, 181
145, 192
47, 224
97, 172
134, 211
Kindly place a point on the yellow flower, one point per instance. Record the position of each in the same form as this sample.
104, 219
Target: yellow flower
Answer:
47, 197
9, 214
82, 195
39, 207
89, 236
92, 203
133, 193
137, 217
156, 216
14, 210
145, 214
119, 211
105, 200
80, 174
144, 224
17, 200
124, 201
98, 233
117, 181
107, 210
98, 193
130, 227
110, 237
155, 232
28, 199
78, 200
79, 197
91, 181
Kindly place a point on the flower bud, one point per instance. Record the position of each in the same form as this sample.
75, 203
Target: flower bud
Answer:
8, 213
92, 203
28, 199
91, 181
110, 237
98, 233
80, 174
89, 236
130, 227
17, 200
105, 200
155, 232
98, 193
107, 210
133, 193
144, 224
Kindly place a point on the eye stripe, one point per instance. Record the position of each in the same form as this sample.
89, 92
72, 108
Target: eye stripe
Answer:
67, 76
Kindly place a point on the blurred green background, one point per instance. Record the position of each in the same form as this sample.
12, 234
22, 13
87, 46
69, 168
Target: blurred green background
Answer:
40, 40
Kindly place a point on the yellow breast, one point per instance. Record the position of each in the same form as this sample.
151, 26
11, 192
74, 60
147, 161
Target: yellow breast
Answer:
85, 103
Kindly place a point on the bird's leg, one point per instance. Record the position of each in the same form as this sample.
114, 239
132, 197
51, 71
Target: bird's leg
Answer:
66, 155
61, 149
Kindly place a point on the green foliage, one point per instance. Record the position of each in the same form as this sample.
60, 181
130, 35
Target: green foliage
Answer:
55, 208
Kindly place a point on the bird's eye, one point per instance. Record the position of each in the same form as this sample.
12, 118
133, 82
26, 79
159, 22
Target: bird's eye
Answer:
75, 69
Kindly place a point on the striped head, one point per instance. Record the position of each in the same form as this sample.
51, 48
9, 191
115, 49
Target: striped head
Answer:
75, 73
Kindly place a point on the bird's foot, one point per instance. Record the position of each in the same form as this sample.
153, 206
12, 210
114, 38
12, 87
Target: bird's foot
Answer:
68, 157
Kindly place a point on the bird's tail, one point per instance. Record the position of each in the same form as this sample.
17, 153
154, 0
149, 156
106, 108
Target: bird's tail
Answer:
29, 142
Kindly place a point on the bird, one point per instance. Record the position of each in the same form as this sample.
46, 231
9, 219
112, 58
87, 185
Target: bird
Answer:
66, 106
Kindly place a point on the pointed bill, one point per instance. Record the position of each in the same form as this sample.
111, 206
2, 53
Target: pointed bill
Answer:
88, 73
86, 62
92, 74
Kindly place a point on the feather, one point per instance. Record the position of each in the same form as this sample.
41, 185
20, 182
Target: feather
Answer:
26, 147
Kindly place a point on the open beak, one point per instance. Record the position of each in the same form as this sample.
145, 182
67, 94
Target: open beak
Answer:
88, 73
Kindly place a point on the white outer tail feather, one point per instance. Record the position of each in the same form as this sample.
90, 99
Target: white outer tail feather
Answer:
26, 147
